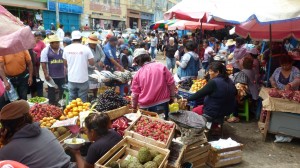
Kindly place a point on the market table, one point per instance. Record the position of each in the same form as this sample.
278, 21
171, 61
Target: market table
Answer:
281, 108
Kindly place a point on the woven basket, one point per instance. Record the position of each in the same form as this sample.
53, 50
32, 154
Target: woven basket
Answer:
116, 113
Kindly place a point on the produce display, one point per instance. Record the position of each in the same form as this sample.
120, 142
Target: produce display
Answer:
186, 84
47, 122
74, 108
110, 100
37, 100
153, 129
59, 131
145, 159
285, 94
198, 84
39, 111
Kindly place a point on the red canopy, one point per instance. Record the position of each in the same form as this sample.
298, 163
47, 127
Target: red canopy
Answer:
192, 10
258, 31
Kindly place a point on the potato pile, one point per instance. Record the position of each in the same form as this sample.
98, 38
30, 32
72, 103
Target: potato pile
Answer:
74, 108
47, 122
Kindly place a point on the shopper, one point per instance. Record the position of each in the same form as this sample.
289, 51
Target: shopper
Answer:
169, 54
60, 32
53, 67
77, 57
26, 142
153, 45
189, 65
37, 84
238, 54
110, 51
208, 55
19, 69
219, 93
46, 40
98, 131
99, 56
124, 56
153, 85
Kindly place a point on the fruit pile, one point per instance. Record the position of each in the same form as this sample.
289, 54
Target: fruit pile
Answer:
145, 159
186, 84
39, 111
74, 108
198, 84
153, 129
37, 100
47, 122
285, 94
59, 131
110, 100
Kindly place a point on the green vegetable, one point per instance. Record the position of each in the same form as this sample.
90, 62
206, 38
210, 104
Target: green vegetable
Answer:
37, 100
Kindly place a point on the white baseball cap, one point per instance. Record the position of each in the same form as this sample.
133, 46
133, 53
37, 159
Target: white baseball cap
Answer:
76, 35
138, 52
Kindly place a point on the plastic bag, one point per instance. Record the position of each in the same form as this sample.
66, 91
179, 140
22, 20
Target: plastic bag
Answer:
281, 138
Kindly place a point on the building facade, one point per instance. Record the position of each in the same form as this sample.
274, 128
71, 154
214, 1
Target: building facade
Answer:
103, 14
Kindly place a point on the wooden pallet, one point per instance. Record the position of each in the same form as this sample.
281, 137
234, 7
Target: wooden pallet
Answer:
130, 133
129, 146
178, 161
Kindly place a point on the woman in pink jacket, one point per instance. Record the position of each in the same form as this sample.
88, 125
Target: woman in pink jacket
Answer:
153, 85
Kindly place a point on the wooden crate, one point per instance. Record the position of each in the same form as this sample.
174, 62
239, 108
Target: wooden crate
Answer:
225, 157
129, 146
119, 112
178, 161
130, 133
149, 113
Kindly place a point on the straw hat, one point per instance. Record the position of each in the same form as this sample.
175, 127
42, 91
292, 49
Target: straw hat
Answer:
93, 39
53, 38
230, 42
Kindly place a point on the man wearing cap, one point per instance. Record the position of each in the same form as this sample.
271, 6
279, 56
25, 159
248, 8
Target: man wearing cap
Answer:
77, 57
124, 51
26, 142
231, 45
19, 69
53, 67
99, 56
110, 52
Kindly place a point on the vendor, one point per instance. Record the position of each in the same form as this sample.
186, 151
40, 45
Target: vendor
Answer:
26, 142
219, 93
286, 77
97, 129
189, 65
153, 85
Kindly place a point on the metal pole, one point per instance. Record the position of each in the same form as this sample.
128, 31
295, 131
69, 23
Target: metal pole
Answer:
57, 14
270, 55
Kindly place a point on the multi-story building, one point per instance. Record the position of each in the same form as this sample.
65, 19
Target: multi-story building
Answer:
104, 14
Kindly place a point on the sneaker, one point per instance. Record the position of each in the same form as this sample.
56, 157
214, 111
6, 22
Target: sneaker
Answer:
233, 119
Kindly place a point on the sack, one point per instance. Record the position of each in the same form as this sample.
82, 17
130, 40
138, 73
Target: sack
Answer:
2, 88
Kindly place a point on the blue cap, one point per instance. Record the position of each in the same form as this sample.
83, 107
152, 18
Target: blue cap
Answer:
124, 47
67, 40
48, 32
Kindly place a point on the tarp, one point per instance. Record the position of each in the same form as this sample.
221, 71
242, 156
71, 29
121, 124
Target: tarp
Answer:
191, 25
15, 37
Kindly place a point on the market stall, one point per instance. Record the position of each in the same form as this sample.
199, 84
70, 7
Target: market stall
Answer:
281, 114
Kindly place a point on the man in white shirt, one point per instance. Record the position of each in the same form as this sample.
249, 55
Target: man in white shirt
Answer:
60, 32
77, 57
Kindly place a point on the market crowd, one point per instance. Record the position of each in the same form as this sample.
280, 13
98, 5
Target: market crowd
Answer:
65, 57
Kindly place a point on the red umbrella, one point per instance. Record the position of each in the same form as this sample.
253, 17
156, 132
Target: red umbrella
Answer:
15, 37
190, 25
192, 10
258, 31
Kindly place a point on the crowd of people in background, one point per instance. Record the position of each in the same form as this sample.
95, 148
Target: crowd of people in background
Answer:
190, 55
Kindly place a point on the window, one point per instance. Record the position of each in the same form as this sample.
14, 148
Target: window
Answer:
117, 3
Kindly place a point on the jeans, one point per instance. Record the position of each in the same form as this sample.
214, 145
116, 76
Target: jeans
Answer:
51, 90
152, 52
21, 85
159, 108
205, 66
78, 90
170, 63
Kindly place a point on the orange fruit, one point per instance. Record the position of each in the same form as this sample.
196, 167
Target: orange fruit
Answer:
68, 107
62, 117
75, 113
78, 100
70, 115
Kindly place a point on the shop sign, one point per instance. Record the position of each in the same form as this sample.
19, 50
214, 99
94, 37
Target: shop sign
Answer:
105, 8
64, 7
146, 16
